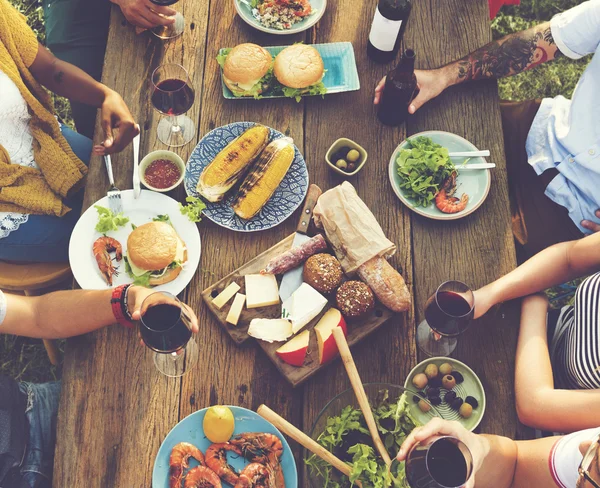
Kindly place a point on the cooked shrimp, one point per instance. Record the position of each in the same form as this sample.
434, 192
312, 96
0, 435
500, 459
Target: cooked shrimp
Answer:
216, 459
276, 478
101, 248
178, 462
254, 475
256, 446
202, 477
445, 201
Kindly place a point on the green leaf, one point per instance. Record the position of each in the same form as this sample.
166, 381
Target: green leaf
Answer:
108, 221
163, 218
143, 280
298, 93
222, 56
193, 209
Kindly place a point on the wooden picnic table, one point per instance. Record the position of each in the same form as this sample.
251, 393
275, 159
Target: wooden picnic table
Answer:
116, 408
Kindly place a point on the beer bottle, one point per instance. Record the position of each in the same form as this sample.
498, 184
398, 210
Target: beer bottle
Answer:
399, 90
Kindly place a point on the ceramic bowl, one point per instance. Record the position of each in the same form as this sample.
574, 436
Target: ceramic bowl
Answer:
351, 144
162, 154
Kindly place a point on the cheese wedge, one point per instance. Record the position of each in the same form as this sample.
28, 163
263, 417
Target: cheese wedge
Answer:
235, 311
303, 306
261, 291
227, 294
270, 330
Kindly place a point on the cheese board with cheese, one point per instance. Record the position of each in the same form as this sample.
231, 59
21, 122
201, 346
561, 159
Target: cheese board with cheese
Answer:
351, 286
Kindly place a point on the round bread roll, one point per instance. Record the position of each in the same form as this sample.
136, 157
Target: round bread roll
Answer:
323, 272
355, 299
245, 65
299, 66
152, 246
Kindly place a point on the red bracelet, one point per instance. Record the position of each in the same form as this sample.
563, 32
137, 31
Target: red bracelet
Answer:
117, 304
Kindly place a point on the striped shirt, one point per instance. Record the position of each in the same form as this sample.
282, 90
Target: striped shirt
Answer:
576, 344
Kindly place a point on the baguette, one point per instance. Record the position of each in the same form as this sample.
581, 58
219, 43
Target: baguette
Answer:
386, 283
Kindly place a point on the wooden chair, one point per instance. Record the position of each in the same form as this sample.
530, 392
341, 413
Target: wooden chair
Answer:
32, 279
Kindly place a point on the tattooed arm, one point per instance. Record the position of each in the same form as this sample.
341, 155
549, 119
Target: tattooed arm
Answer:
508, 56
69, 81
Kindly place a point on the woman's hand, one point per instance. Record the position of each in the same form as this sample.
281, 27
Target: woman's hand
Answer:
145, 14
479, 446
430, 84
115, 115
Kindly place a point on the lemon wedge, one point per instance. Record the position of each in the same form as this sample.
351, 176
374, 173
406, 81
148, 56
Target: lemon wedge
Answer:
218, 424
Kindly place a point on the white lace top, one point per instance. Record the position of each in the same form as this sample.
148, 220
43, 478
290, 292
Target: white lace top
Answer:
16, 138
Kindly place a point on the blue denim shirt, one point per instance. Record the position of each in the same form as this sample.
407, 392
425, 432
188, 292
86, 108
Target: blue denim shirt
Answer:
566, 133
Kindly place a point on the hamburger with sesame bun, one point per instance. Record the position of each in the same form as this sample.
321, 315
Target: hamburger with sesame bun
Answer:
300, 69
155, 254
247, 69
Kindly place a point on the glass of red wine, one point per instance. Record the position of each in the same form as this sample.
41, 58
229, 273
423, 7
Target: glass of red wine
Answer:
444, 463
448, 313
165, 327
169, 31
172, 95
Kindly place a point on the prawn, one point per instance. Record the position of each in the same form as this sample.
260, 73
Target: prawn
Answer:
178, 462
254, 475
258, 447
276, 478
202, 477
445, 200
101, 249
216, 459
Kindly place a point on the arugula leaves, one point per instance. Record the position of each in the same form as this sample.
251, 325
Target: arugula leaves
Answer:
422, 169
394, 422
193, 209
108, 221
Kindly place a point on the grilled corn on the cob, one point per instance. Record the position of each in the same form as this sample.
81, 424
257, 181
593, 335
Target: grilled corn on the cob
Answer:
264, 177
232, 163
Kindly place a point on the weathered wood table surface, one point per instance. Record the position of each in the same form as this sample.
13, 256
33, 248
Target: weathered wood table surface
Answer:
116, 408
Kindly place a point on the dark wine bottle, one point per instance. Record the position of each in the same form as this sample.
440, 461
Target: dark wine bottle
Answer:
387, 29
399, 90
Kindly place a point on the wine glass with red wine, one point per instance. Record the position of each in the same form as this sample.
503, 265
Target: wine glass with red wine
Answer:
169, 31
165, 327
448, 313
444, 463
172, 95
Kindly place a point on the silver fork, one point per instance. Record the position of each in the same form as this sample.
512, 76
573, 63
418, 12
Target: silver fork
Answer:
113, 193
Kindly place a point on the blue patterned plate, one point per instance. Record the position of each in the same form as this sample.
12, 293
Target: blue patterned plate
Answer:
247, 15
341, 74
190, 430
286, 199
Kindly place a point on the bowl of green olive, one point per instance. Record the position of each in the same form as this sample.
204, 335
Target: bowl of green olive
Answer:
346, 157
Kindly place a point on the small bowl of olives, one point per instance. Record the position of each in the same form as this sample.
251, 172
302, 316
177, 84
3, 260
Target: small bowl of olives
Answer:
346, 157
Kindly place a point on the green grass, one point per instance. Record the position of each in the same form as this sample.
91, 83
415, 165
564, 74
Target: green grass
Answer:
26, 360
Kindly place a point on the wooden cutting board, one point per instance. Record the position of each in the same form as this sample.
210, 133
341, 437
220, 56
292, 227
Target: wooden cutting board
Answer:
357, 329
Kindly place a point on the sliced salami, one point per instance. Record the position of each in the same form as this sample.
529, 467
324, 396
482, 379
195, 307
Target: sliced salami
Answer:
295, 256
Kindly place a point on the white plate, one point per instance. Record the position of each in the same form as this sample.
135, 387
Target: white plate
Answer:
140, 211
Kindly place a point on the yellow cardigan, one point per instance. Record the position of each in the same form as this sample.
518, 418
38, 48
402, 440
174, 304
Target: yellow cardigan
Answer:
24, 189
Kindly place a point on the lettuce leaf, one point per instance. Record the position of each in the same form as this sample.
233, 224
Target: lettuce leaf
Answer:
193, 209
422, 169
143, 280
298, 93
108, 221
222, 56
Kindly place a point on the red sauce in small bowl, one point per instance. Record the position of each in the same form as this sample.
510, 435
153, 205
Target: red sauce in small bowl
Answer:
162, 173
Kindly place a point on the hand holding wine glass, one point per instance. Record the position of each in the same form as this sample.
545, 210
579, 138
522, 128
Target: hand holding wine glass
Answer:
448, 313
166, 327
145, 14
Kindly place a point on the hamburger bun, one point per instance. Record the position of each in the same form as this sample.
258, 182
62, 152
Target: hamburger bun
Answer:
244, 67
170, 275
152, 246
299, 66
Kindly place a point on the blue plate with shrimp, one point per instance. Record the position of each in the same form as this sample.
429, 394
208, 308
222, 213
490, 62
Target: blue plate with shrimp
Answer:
474, 183
190, 430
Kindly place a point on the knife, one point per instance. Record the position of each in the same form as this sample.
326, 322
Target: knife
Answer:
292, 279
136, 171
